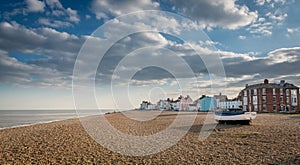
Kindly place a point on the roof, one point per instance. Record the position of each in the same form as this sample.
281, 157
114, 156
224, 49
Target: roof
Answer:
271, 85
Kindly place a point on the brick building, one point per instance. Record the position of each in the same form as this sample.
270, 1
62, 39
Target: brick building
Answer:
270, 97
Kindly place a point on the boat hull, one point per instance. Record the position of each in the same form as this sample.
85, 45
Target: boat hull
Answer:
235, 117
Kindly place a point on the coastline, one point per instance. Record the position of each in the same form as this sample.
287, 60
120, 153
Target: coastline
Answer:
270, 139
31, 122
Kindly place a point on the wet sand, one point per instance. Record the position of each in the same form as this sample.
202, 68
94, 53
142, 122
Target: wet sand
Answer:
270, 139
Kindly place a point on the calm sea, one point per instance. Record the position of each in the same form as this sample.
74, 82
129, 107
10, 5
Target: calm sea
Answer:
14, 118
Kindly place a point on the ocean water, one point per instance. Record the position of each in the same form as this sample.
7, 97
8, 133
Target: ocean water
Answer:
15, 118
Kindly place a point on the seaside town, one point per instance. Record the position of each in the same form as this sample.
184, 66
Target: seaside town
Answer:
263, 97
143, 82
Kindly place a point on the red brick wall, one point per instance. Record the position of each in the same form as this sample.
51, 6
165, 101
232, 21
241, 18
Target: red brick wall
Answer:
269, 99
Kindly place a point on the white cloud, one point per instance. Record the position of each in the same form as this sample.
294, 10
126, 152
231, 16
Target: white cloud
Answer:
254, 53
290, 30
54, 4
225, 14
260, 2
208, 43
28, 75
261, 19
226, 56
87, 16
61, 17
261, 28
53, 23
35, 6
293, 30
271, 3
37, 40
242, 37
103, 8
271, 18
282, 55
277, 16
73, 16
280, 1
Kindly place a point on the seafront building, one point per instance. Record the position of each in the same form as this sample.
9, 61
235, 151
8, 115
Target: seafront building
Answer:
263, 97
185, 102
224, 103
207, 103
270, 97
220, 97
146, 105
182, 103
229, 104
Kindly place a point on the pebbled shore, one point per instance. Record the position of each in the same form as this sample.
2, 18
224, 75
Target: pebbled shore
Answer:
270, 139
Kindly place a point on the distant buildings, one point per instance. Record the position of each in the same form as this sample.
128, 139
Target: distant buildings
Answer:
207, 103
263, 97
145, 105
220, 97
182, 103
270, 97
185, 102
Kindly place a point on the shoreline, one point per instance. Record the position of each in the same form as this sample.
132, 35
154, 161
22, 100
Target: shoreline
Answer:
76, 116
107, 113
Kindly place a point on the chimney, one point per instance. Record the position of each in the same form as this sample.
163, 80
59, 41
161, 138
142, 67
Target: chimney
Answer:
266, 81
246, 85
282, 82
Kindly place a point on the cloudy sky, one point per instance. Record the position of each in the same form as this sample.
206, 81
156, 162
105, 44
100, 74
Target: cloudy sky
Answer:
153, 55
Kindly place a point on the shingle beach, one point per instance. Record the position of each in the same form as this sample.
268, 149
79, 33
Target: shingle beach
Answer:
270, 139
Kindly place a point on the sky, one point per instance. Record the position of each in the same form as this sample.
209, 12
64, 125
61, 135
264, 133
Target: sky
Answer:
157, 49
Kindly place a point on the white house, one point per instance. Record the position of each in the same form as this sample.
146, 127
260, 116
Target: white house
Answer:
226, 104
145, 105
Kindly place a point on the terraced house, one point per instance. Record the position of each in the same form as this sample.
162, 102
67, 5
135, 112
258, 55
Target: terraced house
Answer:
270, 97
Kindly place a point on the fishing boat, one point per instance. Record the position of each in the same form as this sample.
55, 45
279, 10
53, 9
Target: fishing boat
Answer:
234, 116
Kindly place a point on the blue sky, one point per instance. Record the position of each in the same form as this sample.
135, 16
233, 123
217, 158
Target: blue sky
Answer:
40, 40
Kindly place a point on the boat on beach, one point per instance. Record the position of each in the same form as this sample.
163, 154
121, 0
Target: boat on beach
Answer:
234, 116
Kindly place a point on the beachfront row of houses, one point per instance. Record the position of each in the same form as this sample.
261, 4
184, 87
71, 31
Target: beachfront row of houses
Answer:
203, 103
262, 97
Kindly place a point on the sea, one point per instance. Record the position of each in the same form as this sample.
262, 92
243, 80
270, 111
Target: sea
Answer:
17, 118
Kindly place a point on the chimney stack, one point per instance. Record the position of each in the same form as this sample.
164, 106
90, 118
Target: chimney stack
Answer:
282, 82
266, 81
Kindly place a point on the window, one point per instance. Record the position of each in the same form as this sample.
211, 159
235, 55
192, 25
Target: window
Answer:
245, 93
274, 91
264, 107
274, 99
287, 99
254, 99
294, 92
264, 99
295, 100
281, 98
274, 107
255, 92
245, 101
264, 91
281, 91
255, 108
287, 92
